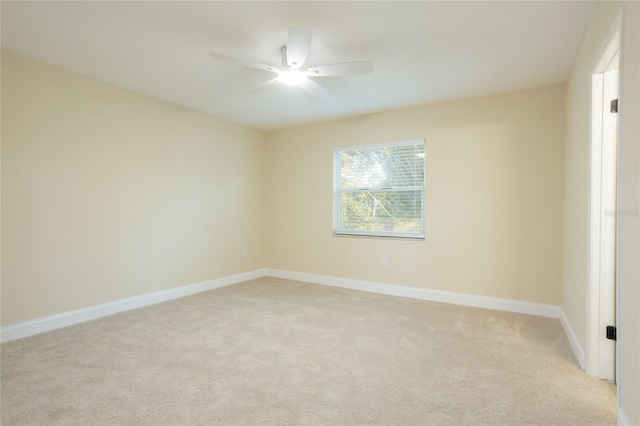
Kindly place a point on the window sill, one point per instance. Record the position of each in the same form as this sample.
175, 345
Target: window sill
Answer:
380, 237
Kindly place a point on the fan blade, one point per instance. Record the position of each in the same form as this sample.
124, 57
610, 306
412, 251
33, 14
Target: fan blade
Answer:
240, 62
262, 86
315, 90
298, 45
346, 68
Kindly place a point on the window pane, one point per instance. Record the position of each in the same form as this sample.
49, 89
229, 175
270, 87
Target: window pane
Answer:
398, 211
393, 166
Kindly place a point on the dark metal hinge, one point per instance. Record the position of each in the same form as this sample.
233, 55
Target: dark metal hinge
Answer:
611, 332
614, 105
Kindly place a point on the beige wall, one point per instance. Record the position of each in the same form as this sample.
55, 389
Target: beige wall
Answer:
108, 194
575, 278
493, 197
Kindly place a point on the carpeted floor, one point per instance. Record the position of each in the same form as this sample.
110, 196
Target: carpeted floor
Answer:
279, 352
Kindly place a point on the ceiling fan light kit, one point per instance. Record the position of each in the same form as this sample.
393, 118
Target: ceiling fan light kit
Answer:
292, 77
292, 72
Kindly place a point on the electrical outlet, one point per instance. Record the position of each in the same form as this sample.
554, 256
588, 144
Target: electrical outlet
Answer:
244, 252
385, 261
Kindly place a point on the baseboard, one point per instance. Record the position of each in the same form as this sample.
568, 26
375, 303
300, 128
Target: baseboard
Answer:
623, 420
41, 325
508, 305
578, 350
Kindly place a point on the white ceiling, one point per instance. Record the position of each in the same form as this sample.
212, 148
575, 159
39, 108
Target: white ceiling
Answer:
422, 52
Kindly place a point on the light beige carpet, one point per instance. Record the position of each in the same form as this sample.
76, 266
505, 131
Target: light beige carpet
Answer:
280, 352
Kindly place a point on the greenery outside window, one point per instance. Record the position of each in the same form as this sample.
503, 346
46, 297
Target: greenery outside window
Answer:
379, 190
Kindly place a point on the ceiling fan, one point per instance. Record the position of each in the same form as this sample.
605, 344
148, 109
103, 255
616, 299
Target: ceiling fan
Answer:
293, 72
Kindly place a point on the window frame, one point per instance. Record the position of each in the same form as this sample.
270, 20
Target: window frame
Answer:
338, 191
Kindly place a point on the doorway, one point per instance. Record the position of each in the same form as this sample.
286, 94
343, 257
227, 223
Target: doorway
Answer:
605, 81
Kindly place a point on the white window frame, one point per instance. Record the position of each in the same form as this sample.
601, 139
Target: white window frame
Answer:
338, 191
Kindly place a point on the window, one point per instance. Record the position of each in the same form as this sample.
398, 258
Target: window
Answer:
379, 190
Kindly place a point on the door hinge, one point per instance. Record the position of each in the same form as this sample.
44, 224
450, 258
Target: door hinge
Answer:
614, 105
611, 332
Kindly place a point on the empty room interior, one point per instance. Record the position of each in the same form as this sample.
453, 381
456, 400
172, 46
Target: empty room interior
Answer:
320, 212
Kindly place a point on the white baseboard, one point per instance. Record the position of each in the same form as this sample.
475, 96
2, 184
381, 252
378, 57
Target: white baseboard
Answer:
623, 420
578, 350
41, 325
508, 305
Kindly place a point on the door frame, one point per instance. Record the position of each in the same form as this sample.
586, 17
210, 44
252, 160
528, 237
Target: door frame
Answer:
597, 265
